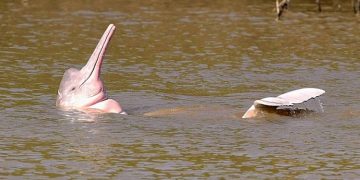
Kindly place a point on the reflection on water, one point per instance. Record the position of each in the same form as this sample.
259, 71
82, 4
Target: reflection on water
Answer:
212, 57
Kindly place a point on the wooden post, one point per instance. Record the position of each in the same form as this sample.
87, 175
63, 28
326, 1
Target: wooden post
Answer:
281, 7
318, 2
356, 6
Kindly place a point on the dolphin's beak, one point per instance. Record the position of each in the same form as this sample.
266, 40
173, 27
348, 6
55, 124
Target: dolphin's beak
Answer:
92, 68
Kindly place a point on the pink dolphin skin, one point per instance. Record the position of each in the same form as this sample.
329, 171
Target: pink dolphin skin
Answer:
83, 89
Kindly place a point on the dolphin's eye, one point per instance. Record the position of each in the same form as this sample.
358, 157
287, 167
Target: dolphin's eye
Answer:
72, 89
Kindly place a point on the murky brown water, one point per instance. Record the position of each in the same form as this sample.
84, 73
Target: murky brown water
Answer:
217, 56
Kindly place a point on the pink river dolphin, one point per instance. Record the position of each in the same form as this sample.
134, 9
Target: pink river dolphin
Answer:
83, 89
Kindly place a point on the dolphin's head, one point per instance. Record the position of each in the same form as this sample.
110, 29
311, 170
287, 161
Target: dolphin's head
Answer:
84, 88
80, 89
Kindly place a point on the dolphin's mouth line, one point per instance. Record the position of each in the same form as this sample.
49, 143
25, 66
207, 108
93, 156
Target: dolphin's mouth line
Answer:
98, 57
105, 97
100, 91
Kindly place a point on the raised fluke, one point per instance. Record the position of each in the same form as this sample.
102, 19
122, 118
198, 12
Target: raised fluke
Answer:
287, 103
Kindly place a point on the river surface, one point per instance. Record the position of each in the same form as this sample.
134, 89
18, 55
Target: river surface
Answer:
210, 58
